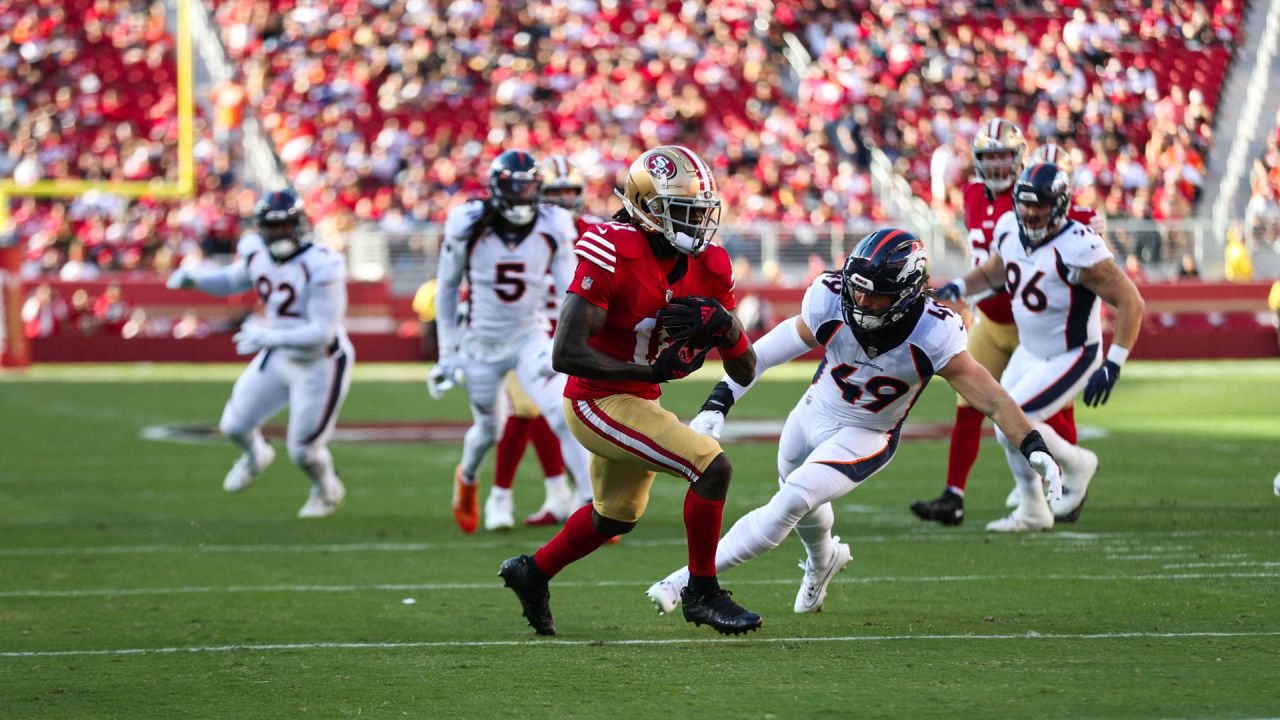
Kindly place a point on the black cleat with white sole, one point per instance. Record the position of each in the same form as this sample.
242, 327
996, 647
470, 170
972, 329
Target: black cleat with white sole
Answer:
947, 509
718, 610
530, 586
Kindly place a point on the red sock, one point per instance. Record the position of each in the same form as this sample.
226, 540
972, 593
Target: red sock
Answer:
702, 528
576, 540
547, 445
510, 449
1064, 423
966, 438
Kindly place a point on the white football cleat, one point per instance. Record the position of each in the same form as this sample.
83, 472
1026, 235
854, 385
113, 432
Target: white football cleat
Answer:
813, 589
1016, 521
1075, 487
1275, 484
323, 501
247, 468
557, 507
499, 510
1013, 498
665, 593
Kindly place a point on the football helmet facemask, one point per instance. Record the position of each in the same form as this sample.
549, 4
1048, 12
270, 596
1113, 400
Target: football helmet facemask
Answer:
515, 186
883, 278
997, 153
1041, 198
281, 223
563, 184
670, 191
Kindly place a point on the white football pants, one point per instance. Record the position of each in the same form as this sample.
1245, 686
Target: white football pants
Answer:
313, 390
818, 461
1042, 387
532, 363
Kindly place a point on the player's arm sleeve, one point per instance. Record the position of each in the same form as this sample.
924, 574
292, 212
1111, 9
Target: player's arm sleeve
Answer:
326, 306
787, 341
448, 279
230, 280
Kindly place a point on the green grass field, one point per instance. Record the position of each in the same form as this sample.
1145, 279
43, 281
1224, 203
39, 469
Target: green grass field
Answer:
132, 586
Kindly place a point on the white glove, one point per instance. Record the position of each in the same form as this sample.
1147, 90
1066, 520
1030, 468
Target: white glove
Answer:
180, 280
1042, 462
708, 422
443, 378
251, 338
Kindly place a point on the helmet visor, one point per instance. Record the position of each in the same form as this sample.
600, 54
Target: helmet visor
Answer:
698, 218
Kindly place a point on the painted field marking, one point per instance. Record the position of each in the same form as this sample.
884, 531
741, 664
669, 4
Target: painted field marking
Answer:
270, 647
495, 585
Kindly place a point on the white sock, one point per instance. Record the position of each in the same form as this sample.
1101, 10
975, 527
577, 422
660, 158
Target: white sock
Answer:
762, 529
814, 531
1030, 486
499, 492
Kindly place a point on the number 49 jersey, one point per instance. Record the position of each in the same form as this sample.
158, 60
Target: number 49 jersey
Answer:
285, 288
874, 392
1054, 312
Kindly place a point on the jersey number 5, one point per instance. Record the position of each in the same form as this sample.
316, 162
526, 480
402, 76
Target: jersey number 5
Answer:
509, 283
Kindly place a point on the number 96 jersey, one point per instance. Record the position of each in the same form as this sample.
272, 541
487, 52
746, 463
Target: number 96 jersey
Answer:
851, 387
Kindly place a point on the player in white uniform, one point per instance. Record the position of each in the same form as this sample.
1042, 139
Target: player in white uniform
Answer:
507, 249
1055, 269
302, 356
884, 340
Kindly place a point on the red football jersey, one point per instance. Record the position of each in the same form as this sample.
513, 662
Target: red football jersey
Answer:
980, 216
1082, 214
618, 271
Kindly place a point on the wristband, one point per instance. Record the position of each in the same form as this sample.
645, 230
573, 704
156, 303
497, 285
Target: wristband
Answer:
1117, 354
720, 400
740, 347
1033, 442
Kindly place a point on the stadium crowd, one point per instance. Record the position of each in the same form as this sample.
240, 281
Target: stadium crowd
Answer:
386, 112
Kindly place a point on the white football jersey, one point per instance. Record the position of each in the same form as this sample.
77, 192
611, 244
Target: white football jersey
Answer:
285, 288
1053, 311
874, 393
509, 281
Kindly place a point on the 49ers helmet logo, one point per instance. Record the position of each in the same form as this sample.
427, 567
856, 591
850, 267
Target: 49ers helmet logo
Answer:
660, 166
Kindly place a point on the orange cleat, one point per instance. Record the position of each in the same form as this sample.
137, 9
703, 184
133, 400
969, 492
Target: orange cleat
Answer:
466, 511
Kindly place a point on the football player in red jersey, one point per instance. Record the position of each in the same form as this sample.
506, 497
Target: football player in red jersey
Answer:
651, 296
998, 150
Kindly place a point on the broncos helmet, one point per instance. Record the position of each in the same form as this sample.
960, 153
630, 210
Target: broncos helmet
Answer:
515, 186
883, 278
281, 223
1041, 199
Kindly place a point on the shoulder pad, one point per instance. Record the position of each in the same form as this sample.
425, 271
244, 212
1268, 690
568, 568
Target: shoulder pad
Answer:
461, 217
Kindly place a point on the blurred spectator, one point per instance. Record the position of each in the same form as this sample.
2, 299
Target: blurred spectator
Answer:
191, 326
1239, 264
1187, 270
43, 313
1133, 269
110, 310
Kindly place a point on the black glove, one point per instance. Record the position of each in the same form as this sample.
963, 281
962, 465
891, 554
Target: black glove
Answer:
678, 360
1099, 388
702, 318
720, 400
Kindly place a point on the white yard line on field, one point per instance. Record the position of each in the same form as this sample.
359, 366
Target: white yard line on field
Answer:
268, 647
1062, 538
495, 585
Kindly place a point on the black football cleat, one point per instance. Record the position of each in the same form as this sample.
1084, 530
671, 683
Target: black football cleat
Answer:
947, 508
719, 611
530, 586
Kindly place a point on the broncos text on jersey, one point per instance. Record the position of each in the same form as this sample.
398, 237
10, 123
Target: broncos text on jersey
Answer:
874, 393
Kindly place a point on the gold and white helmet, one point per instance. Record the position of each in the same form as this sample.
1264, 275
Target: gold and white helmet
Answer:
563, 184
997, 153
671, 191
1054, 155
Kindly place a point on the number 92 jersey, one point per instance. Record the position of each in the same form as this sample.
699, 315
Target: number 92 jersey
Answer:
1054, 312
285, 288
854, 388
